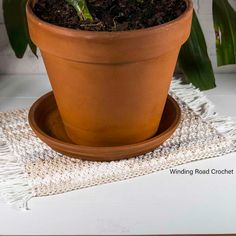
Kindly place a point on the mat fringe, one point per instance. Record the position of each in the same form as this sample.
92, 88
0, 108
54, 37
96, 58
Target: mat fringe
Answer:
202, 106
16, 189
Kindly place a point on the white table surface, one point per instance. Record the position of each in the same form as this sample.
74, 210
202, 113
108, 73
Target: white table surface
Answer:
159, 203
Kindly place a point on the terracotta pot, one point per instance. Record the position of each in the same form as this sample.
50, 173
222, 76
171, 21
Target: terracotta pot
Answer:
110, 87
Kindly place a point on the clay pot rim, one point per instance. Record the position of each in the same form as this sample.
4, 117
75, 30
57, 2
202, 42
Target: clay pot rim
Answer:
74, 147
105, 34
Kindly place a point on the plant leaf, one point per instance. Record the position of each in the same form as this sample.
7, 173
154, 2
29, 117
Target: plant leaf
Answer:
194, 60
30, 43
16, 25
225, 29
81, 8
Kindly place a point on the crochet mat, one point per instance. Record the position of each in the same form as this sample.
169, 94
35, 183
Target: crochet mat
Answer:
29, 168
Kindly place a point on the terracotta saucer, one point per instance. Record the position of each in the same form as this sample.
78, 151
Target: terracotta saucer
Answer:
46, 122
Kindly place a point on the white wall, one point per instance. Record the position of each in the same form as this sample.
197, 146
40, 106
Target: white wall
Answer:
10, 65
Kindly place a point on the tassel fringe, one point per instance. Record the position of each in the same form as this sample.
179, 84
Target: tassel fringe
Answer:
202, 106
14, 185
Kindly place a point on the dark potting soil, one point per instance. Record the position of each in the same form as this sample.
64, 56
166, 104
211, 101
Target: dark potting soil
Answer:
111, 15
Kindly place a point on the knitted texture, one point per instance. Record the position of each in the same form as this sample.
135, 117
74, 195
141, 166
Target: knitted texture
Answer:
29, 168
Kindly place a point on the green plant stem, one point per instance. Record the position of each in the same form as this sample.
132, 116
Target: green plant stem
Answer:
81, 8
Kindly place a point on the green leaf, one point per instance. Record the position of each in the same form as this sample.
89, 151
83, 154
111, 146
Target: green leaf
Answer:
16, 25
81, 8
194, 60
225, 29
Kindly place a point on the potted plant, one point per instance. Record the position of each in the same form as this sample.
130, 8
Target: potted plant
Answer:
110, 86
